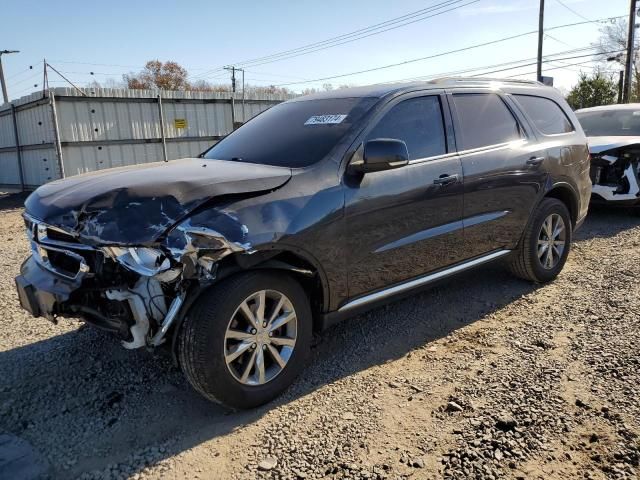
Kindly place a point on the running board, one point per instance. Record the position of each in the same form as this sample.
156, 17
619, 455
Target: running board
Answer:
391, 291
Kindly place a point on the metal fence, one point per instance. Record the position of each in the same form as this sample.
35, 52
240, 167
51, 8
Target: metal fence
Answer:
63, 131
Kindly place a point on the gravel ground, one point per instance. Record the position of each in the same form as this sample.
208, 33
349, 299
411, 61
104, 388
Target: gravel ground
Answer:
481, 377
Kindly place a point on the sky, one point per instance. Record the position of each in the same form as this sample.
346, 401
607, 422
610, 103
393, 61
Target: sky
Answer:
114, 37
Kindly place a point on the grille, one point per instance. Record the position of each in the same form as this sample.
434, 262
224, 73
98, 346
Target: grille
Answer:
58, 251
55, 235
64, 263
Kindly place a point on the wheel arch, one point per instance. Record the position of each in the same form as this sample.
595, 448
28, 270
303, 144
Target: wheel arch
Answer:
303, 267
567, 195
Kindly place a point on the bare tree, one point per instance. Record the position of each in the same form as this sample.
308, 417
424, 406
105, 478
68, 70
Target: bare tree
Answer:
108, 83
172, 76
165, 76
611, 47
204, 86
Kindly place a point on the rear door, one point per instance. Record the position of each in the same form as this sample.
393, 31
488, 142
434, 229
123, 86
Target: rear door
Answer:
503, 168
405, 222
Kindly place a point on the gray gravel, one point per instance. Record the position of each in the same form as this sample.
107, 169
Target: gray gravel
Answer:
484, 379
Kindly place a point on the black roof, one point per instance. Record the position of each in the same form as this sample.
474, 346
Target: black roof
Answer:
384, 89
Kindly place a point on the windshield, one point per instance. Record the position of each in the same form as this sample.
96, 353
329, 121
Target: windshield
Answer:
606, 123
292, 134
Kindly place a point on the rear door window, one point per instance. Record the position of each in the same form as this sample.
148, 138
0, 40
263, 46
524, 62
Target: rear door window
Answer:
545, 114
418, 122
484, 120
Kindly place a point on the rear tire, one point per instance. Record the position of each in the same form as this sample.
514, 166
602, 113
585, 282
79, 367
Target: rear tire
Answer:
227, 319
545, 244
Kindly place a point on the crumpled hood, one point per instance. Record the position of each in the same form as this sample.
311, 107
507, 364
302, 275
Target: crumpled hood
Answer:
134, 205
602, 144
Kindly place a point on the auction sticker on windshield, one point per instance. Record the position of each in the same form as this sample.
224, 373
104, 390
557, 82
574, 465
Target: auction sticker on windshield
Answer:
325, 119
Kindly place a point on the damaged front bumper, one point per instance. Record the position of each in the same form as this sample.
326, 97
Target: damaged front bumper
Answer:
40, 292
135, 292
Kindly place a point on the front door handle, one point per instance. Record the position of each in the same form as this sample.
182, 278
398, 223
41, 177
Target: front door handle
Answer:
535, 161
446, 179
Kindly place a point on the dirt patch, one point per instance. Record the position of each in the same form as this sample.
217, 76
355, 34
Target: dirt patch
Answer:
495, 378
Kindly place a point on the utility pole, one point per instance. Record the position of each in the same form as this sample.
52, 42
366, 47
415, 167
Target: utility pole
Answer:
628, 68
540, 39
620, 86
233, 71
233, 96
244, 118
4, 85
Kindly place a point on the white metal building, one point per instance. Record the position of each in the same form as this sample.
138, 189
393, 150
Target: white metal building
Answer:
62, 131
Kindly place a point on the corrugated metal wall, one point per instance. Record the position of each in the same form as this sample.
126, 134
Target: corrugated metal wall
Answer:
111, 128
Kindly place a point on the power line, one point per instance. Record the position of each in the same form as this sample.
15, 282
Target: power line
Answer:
484, 67
567, 66
36, 74
557, 40
275, 74
404, 20
70, 62
65, 78
534, 63
357, 34
429, 57
398, 22
553, 68
574, 12
30, 67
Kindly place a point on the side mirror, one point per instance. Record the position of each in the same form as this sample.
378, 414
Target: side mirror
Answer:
382, 154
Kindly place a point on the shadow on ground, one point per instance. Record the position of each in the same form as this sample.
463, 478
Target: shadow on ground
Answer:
85, 403
11, 201
605, 222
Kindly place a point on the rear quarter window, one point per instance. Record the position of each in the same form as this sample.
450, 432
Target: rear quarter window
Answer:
546, 114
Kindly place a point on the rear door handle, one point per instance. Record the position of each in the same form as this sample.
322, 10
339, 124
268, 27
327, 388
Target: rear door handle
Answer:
446, 179
535, 161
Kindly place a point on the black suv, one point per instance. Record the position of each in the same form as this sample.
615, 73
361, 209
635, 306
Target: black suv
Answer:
318, 208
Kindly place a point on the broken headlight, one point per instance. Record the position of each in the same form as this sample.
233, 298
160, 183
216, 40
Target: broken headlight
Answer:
143, 260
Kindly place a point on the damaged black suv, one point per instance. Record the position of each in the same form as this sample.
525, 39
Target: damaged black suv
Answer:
318, 208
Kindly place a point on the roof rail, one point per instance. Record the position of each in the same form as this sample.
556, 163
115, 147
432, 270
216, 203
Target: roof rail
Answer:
486, 79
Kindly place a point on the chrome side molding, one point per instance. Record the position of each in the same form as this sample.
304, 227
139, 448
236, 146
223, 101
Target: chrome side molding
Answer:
391, 291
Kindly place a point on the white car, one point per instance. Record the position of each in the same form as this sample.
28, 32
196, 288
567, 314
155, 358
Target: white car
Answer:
613, 132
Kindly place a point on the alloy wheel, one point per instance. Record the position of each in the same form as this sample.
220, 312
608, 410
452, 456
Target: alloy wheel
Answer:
260, 337
551, 241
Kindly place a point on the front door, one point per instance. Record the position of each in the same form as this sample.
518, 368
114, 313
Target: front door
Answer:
405, 222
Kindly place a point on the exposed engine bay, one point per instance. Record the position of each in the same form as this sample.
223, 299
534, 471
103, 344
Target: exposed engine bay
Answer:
134, 292
127, 259
615, 171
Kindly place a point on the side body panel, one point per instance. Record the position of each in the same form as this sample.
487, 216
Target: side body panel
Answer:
400, 223
567, 162
501, 185
303, 217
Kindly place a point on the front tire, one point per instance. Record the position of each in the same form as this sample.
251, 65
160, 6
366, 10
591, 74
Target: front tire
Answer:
246, 339
545, 244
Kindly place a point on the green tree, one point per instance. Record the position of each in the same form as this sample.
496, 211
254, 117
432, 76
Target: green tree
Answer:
593, 90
